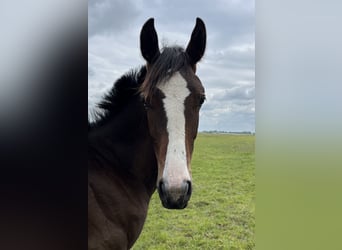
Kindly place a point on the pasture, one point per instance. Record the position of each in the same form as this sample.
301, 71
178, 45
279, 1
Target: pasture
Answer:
221, 211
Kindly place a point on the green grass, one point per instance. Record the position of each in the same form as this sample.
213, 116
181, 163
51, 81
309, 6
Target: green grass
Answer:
221, 211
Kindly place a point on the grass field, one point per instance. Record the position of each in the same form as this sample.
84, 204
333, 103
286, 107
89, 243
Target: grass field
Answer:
221, 211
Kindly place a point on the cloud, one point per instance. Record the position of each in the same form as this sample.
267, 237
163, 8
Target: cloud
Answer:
230, 110
236, 93
108, 17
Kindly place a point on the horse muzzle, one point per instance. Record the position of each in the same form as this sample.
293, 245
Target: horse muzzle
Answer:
174, 195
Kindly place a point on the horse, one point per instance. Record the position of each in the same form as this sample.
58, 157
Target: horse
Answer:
143, 139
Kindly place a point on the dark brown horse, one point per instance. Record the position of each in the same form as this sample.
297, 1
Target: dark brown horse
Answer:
143, 139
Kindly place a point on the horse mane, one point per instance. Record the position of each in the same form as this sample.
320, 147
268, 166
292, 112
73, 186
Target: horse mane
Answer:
171, 60
123, 89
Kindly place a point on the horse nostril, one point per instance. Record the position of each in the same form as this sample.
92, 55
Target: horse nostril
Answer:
190, 188
161, 188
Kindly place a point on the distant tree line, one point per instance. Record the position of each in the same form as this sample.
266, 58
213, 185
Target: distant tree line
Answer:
228, 132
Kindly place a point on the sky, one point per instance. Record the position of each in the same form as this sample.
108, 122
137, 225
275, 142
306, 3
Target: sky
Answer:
227, 69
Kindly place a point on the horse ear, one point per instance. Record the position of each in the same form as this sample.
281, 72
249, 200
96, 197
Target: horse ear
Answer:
196, 46
149, 41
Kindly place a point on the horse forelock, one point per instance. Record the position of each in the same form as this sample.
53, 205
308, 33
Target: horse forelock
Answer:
170, 61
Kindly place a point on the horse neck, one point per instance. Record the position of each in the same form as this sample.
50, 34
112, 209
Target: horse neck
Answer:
125, 146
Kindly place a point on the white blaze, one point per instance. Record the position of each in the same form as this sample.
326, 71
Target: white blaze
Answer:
175, 91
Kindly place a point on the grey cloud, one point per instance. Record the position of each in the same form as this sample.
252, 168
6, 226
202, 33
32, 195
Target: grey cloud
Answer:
236, 93
242, 57
91, 72
110, 16
229, 121
231, 109
228, 106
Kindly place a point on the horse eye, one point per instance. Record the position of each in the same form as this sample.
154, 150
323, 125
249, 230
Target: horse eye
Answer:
202, 99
